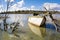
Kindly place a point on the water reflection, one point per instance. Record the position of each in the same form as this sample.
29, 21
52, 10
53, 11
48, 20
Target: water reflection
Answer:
29, 31
50, 26
40, 31
45, 33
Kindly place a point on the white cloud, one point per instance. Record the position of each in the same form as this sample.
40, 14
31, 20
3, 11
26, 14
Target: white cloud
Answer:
9, 0
17, 6
2, 8
20, 6
51, 6
32, 7
21, 3
28, 8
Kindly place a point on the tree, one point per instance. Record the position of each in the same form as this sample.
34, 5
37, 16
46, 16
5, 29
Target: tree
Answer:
50, 14
6, 15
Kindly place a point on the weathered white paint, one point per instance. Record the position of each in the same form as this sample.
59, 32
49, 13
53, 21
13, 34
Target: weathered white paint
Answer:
36, 20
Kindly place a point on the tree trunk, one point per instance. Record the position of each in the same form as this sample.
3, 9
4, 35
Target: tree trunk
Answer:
5, 25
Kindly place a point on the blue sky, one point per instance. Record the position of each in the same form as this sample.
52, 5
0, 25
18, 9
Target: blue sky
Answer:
31, 5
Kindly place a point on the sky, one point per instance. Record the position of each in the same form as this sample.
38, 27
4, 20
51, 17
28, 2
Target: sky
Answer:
16, 5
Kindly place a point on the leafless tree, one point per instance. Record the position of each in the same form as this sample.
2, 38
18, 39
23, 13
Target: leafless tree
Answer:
50, 14
6, 15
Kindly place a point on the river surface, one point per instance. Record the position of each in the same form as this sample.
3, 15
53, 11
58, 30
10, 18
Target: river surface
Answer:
28, 31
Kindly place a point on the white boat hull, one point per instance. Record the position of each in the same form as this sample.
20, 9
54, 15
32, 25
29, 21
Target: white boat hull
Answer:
36, 20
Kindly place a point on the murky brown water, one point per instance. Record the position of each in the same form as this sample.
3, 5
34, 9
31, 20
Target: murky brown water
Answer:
26, 33
30, 32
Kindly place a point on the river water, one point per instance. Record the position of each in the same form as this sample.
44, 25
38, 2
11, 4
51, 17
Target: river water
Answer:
29, 31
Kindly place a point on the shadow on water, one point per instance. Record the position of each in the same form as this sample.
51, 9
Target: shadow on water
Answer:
50, 26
